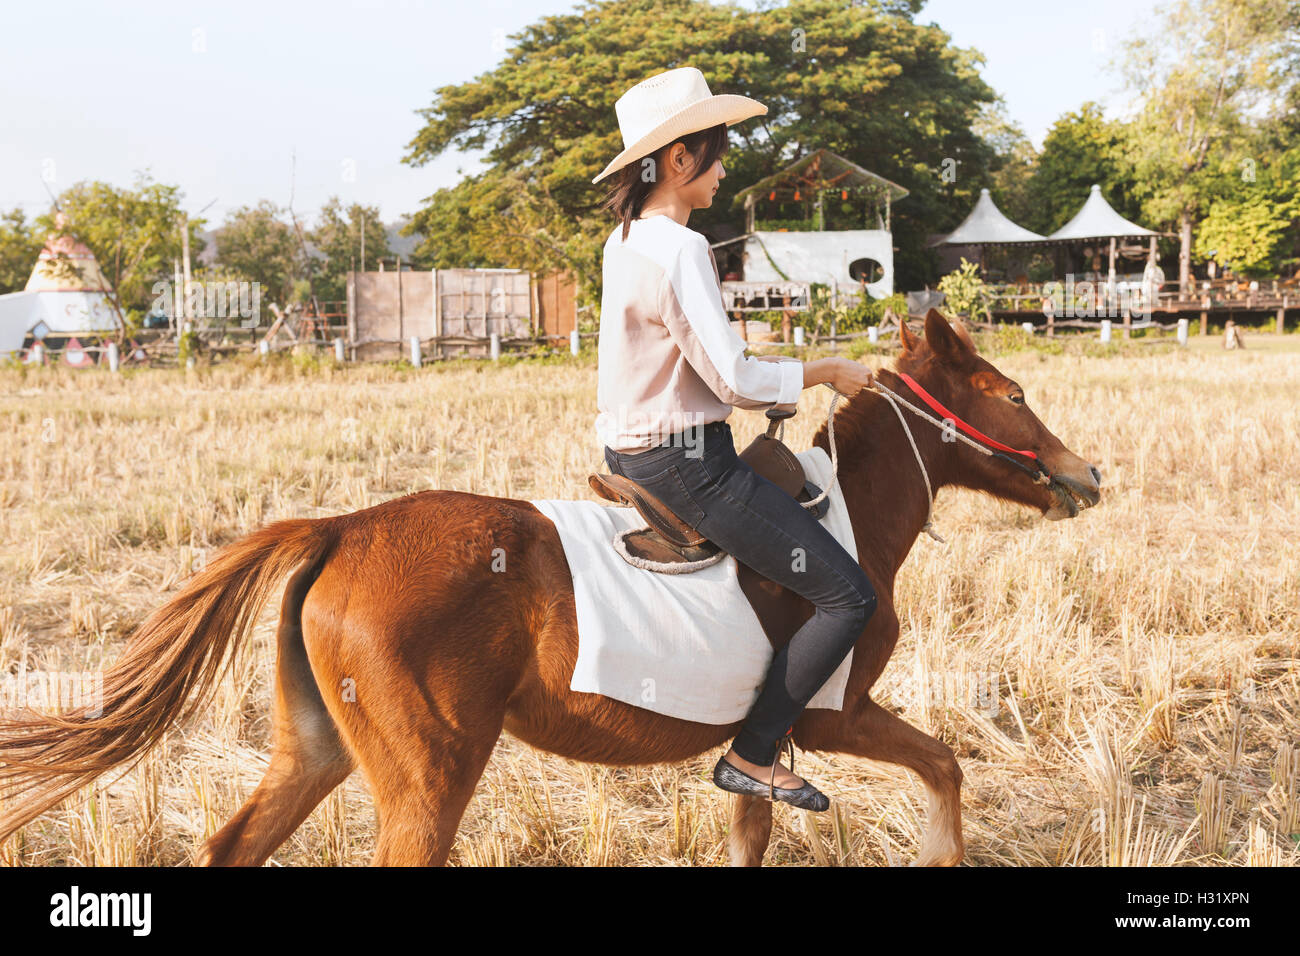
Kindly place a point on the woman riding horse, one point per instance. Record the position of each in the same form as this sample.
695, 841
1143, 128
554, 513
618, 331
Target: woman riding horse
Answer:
669, 358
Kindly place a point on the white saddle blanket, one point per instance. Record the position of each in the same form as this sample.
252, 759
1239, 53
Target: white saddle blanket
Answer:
685, 645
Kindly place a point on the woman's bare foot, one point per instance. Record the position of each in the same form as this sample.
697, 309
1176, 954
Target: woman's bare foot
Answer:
784, 778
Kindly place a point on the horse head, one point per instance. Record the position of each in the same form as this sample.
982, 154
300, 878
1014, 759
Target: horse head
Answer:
946, 364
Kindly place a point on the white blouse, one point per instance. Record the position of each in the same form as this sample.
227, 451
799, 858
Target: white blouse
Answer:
668, 357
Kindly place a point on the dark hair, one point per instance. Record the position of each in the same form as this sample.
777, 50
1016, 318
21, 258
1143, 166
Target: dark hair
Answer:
629, 189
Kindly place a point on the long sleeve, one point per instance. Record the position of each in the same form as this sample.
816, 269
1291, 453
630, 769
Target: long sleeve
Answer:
692, 310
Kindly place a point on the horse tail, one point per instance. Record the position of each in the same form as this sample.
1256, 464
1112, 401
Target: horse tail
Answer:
177, 654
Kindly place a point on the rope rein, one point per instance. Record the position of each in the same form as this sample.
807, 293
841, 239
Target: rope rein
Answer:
946, 427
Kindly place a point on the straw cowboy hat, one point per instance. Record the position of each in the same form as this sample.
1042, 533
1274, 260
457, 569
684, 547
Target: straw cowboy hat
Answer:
667, 106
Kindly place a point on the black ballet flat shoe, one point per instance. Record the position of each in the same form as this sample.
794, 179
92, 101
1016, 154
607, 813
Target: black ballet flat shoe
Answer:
734, 780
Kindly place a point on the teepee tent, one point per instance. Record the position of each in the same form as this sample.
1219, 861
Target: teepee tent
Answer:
66, 295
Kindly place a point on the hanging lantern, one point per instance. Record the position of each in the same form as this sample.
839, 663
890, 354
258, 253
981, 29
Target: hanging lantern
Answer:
844, 194
771, 196
796, 195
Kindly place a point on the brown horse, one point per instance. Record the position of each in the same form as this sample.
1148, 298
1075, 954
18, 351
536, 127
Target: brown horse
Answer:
413, 632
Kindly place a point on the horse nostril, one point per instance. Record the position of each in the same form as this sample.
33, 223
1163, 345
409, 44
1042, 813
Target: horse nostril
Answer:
1096, 474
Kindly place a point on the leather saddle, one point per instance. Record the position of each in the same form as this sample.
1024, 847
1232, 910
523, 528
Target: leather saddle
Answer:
668, 540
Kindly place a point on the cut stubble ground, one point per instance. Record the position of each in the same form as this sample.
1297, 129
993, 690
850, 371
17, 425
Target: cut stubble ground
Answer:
1120, 688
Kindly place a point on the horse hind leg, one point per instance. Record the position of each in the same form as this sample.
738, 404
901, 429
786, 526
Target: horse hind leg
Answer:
423, 723
308, 759
422, 788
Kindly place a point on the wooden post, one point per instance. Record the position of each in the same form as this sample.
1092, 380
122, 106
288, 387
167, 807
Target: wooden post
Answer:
532, 293
401, 317
437, 312
352, 308
1111, 297
177, 318
1110, 281
1205, 315
433, 306
1281, 317
1185, 253
185, 261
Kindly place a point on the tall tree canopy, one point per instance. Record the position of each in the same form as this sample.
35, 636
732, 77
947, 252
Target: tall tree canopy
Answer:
1013, 163
1081, 148
337, 237
135, 233
255, 245
864, 80
19, 247
1200, 78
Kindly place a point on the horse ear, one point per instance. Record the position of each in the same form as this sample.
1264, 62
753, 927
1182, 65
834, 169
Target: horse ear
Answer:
943, 340
911, 341
963, 333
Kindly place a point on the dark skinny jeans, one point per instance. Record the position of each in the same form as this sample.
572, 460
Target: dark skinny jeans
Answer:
698, 474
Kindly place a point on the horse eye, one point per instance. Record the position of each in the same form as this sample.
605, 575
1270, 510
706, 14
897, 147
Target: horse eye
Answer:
1018, 398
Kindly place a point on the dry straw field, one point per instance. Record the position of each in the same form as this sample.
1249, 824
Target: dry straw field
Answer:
1122, 688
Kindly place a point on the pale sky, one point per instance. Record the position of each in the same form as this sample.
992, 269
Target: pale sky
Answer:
217, 97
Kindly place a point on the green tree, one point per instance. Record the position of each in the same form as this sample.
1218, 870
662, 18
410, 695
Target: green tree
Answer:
135, 234
1013, 164
1211, 65
863, 80
1254, 229
1081, 148
337, 237
255, 245
19, 247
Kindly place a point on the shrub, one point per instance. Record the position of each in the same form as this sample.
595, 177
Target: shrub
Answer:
966, 293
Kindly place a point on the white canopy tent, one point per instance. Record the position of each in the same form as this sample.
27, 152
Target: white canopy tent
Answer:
986, 225
1097, 220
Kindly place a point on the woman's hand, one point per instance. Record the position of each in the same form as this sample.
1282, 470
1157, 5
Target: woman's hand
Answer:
844, 375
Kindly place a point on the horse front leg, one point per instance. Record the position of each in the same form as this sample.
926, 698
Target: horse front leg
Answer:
751, 830
877, 734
